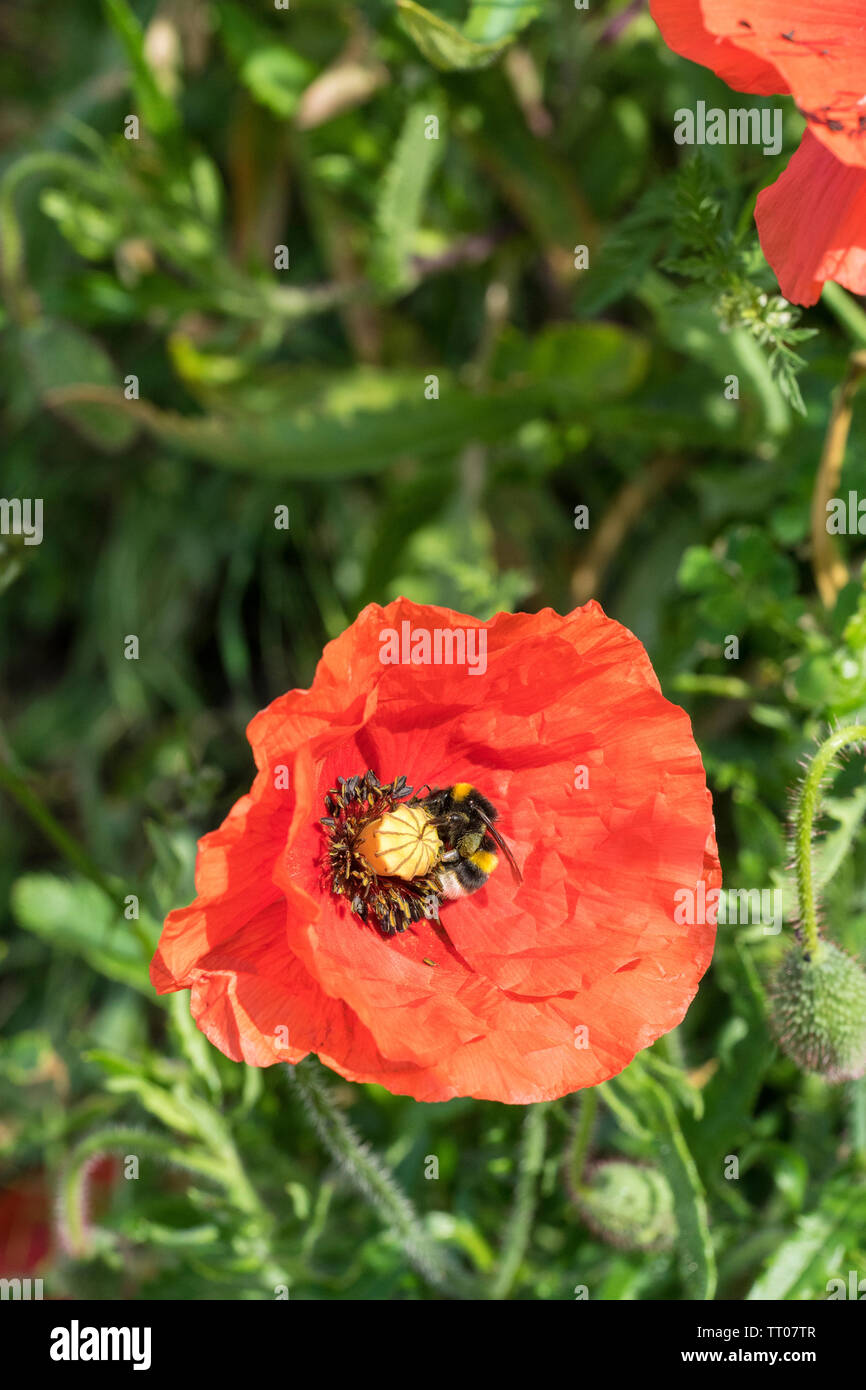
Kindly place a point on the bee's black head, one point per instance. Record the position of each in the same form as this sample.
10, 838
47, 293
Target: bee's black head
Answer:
436, 804
456, 809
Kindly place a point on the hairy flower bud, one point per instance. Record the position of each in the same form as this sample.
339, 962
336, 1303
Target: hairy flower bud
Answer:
628, 1205
819, 1011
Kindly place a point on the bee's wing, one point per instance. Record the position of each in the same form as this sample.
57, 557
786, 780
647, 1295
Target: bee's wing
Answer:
512, 862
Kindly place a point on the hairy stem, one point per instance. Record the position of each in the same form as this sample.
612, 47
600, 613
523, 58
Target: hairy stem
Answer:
370, 1177
808, 804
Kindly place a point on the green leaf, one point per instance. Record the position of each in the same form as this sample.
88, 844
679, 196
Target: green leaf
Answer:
534, 178
617, 1095
58, 355
492, 20
76, 916
824, 1246
301, 423
276, 76
697, 1259
576, 362
147, 1232
480, 43
156, 110
746, 1050
351, 423
833, 848
166, 1108
401, 198
816, 1240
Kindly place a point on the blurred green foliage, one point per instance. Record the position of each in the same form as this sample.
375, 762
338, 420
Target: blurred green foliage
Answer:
309, 388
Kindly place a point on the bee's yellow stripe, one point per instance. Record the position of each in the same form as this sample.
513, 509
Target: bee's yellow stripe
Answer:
484, 860
461, 790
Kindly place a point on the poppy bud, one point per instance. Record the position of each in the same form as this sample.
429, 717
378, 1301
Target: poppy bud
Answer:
628, 1205
400, 844
819, 1012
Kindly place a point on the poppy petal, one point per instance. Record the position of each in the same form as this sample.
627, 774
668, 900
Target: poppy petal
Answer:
812, 224
820, 50
684, 28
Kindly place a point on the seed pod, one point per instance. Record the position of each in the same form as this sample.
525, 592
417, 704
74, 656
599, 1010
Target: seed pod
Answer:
400, 844
628, 1205
819, 1012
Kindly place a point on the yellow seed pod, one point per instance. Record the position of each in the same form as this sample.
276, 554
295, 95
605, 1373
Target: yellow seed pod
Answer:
401, 844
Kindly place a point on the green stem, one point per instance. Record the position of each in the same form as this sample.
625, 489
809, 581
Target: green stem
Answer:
375, 1183
582, 1136
52, 829
808, 803
258, 1233
857, 1113
520, 1221
846, 310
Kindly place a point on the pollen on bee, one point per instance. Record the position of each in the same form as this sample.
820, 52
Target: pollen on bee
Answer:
401, 844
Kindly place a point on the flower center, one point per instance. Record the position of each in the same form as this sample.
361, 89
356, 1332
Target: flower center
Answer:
382, 852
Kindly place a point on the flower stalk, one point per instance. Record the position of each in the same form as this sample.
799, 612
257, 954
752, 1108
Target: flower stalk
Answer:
519, 1226
808, 805
579, 1150
373, 1181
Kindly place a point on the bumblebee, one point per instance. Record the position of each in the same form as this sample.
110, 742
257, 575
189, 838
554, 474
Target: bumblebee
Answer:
464, 820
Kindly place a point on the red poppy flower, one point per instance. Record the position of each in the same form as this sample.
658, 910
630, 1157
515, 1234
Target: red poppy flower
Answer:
812, 221
523, 991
